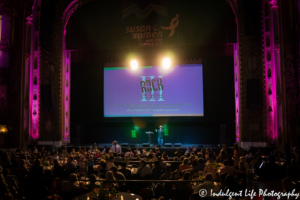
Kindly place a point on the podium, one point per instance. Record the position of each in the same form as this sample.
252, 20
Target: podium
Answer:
149, 133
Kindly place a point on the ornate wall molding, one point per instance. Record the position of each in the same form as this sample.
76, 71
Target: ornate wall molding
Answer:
272, 69
34, 80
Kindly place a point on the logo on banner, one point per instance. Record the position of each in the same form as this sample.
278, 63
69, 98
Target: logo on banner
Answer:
173, 24
152, 88
152, 35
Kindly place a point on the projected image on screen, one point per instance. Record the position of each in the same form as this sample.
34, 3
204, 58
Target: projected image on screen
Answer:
153, 91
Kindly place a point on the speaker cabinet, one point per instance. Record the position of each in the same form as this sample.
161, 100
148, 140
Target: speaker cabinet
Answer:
125, 145
177, 145
168, 144
146, 145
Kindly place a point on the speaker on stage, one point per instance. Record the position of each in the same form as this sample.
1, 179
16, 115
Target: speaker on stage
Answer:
168, 144
125, 145
146, 145
177, 145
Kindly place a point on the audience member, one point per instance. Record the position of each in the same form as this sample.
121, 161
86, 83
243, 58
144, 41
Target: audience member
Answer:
118, 175
57, 170
162, 164
126, 172
109, 177
143, 169
115, 148
92, 184
70, 186
221, 157
207, 185
184, 165
167, 175
55, 156
232, 184
22, 169
70, 166
110, 162
186, 187
37, 169
156, 171
209, 170
228, 169
224, 149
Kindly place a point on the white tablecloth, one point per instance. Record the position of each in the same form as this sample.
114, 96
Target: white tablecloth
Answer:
125, 195
128, 196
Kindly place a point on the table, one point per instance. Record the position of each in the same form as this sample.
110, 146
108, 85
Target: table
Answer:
128, 196
134, 170
47, 167
121, 196
81, 197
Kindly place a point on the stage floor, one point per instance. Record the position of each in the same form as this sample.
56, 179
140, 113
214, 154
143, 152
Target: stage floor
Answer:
140, 145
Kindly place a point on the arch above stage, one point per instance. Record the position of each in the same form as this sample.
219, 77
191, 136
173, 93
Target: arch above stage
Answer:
264, 60
242, 54
65, 105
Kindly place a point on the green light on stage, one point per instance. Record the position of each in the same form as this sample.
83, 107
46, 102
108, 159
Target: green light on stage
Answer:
133, 133
136, 128
166, 130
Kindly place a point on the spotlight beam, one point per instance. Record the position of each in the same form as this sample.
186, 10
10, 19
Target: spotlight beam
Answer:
166, 63
134, 64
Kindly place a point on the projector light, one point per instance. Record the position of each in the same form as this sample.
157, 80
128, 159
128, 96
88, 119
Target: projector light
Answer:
134, 64
166, 63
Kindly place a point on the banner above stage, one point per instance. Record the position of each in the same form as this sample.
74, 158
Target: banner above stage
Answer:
142, 9
146, 23
132, 24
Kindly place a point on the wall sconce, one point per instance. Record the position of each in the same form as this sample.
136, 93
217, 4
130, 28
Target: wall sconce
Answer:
3, 129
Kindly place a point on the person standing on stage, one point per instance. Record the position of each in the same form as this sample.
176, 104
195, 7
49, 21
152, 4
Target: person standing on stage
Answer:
115, 148
160, 135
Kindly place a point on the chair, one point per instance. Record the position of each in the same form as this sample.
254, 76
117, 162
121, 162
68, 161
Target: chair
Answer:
147, 177
55, 186
134, 166
159, 190
123, 188
66, 195
81, 191
209, 198
146, 194
195, 197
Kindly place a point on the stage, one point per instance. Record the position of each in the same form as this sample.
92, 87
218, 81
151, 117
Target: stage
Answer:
168, 148
141, 145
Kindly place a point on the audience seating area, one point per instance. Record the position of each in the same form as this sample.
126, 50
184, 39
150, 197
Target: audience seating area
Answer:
94, 173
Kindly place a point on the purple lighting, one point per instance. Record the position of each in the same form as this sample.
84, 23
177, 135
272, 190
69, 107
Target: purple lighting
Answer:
271, 60
4, 41
34, 73
66, 94
237, 91
66, 62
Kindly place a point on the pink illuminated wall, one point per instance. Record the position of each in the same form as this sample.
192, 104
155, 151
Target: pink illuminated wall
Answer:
272, 63
237, 92
34, 76
4, 40
66, 69
67, 86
